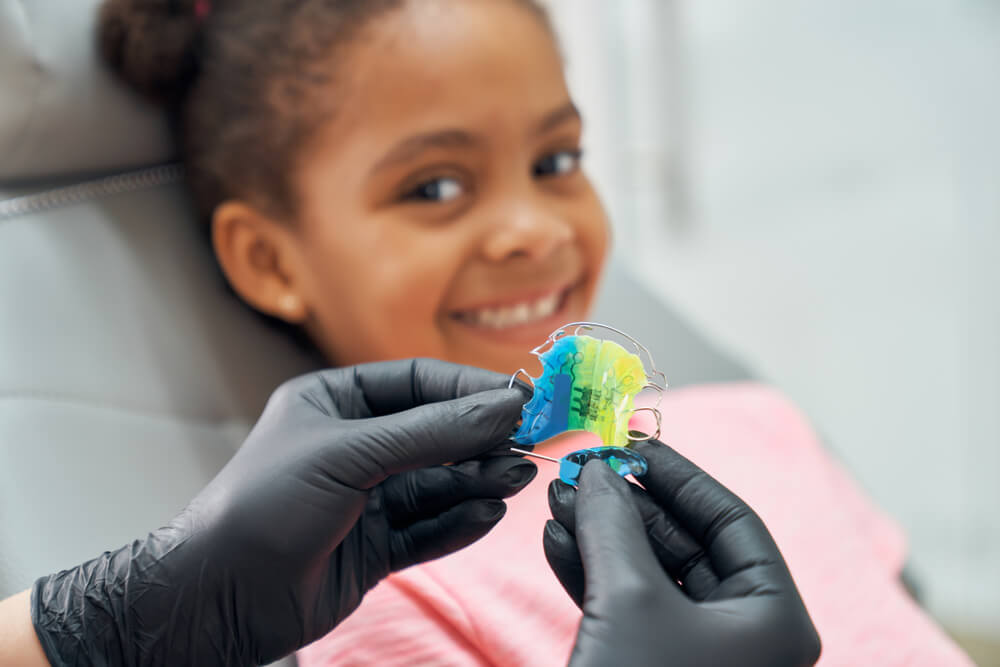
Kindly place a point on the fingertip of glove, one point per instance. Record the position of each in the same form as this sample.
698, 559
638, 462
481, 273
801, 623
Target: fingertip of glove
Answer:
504, 473
516, 395
599, 475
490, 511
500, 402
560, 493
513, 393
555, 533
520, 475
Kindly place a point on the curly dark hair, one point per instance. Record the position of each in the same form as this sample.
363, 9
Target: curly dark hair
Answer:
242, 80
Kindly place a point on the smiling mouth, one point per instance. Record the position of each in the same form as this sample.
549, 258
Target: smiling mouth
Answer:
516, 314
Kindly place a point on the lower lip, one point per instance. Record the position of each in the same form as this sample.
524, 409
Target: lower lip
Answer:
530, 332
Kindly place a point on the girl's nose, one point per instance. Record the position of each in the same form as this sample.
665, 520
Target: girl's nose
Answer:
527, 231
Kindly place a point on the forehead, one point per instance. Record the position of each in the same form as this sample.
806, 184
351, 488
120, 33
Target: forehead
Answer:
453, 63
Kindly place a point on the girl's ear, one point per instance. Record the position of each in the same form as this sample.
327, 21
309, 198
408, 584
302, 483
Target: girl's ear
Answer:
260, 259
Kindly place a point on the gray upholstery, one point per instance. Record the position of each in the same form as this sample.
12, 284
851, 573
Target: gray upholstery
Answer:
128, 373
128, 376
61, 113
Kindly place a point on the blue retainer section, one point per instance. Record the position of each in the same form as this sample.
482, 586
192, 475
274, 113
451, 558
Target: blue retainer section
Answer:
555, 416
547, 413
622, 460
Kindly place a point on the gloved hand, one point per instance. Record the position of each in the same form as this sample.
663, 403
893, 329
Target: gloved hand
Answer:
620, 550
338, 485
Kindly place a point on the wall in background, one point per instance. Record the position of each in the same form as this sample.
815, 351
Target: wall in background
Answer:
817, 184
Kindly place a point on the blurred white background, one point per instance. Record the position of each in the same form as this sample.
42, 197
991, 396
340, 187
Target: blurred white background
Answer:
817, 185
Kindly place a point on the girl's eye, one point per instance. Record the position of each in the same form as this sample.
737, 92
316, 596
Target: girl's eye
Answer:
563, 162
437, 190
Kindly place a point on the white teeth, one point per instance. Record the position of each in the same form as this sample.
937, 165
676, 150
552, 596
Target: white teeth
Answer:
545, 307
514, 315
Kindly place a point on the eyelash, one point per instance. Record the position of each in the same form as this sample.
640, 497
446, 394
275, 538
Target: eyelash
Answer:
575, 155
429, 191
425, 191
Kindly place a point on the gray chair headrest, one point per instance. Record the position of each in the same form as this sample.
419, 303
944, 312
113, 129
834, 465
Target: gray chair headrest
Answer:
62, 114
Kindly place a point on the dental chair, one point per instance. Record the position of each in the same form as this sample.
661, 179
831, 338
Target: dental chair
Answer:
129, 373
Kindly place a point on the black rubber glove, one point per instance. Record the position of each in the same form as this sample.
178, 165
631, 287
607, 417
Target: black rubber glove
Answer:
338, 485
620, 552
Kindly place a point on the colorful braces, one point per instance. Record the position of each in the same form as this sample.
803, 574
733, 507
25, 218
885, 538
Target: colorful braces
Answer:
588, 384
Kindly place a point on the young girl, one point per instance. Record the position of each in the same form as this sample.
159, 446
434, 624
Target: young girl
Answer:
402, 178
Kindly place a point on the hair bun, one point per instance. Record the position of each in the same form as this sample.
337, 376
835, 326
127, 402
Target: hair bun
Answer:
150, 44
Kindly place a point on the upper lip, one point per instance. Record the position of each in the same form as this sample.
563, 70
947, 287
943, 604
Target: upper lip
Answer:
519, 297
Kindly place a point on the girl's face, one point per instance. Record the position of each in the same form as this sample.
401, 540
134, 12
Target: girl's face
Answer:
443, 209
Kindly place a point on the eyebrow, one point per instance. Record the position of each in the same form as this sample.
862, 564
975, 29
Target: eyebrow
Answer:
556, 118
410, 148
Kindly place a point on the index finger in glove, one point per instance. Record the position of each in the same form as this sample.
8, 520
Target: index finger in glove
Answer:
730, 531
427, 435
383, 388
424, 493
618, 560
679, 554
